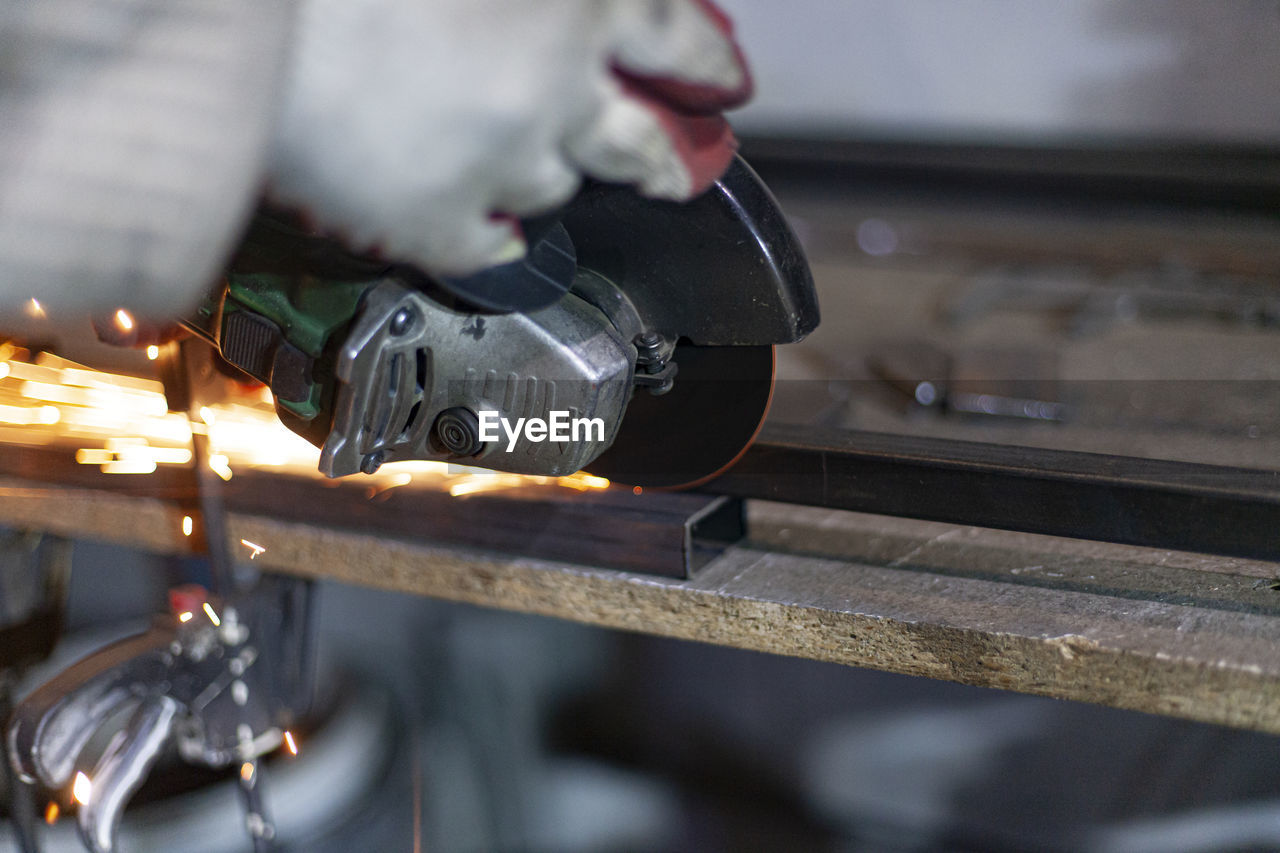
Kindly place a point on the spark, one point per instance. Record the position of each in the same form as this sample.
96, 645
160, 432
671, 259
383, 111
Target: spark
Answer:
213, 617
153, 352
220, 465
33, 308
480, 484
123, 425
51, 813
129, 466
253, 547
124, 320
402, 478
289, 743
184, 616
21, 415
131, 455
82, 788
187, 525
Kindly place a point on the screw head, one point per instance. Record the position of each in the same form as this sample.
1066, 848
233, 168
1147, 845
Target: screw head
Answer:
401, 321
649, 357
648, 340
371, 462
458, 431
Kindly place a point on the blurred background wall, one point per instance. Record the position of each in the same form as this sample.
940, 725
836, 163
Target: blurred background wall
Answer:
1014, 70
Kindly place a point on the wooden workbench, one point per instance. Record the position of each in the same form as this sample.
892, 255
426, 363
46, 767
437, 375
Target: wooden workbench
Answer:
1165, 632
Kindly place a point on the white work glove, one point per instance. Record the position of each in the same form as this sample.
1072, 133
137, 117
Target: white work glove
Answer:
422, 129
417, 128
133, 135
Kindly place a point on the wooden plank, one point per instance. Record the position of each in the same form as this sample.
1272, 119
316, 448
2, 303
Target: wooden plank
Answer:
908, 597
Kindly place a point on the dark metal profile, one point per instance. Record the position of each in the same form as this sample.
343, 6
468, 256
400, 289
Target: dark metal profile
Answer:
661, 533
1134, 501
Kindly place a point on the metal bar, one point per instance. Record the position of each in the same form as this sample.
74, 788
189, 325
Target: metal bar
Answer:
1154, 503
1181, 175
1133, 501
659, 533
654, 532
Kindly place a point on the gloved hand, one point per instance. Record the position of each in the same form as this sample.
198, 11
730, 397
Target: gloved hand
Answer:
417, 128
133, 135
424, 128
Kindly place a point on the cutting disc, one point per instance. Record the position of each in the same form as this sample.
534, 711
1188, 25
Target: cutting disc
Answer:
697, 429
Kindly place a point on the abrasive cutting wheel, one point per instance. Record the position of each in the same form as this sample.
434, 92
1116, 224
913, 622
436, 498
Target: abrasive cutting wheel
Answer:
700, 427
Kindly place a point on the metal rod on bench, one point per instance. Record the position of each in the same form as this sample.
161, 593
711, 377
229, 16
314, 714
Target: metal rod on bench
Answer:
1133, 501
